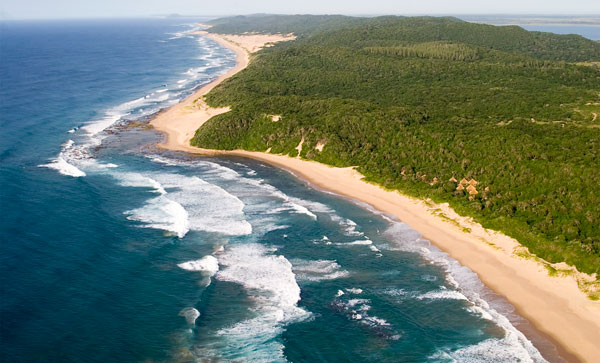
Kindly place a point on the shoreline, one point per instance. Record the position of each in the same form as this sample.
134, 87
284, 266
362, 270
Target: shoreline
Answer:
555, 306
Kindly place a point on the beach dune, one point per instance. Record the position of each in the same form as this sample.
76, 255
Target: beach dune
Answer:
555, 305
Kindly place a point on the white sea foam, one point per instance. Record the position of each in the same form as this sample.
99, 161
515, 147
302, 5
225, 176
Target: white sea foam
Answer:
61, 164
162, 160
310, 207
63, 167
430, 278
514, 346
442, 295
270, 282
74, 157
254, 267
189, 204
358, 310
95, 127
210, 207
375, 321
222, 171
68, 144
189, 33
259, 197
195, 71
208, 169
294, 208
397, 292
79, 155
301, 206
361, 303
207, 264
348, 225
355, 291
483, 312
77, 160
319, 270
162, 213
263, 196
190, 315
297, 208
288, 203
131, 179
366, 242
489, 350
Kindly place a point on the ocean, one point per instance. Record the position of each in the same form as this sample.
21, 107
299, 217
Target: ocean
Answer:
115, 251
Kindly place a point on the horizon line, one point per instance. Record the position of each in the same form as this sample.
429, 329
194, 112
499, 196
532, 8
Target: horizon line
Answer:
175, 15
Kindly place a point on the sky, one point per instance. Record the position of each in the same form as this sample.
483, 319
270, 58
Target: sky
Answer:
61, 9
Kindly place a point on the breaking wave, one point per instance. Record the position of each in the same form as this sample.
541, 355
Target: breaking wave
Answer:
318, 270
162, 213
190, 315
357, 309
76, 157
270, 282
207, 264
514, 346
186, 203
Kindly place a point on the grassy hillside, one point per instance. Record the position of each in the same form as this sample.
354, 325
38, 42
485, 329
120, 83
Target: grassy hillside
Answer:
417, 103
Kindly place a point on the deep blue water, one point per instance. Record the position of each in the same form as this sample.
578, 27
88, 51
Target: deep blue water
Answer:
114, 251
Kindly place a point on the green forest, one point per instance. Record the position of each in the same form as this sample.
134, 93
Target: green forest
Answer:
418, 104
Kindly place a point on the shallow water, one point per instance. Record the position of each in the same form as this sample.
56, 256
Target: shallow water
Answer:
113, 251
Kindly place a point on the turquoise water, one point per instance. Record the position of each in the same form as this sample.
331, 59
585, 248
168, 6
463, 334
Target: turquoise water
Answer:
114, 251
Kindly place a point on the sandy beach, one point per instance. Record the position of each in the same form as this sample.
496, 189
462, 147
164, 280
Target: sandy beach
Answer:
181, 121
554, 304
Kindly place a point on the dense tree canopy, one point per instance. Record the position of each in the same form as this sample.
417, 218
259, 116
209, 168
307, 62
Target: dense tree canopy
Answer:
417, 103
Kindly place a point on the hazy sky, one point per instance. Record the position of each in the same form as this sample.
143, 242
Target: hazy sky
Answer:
19, 9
